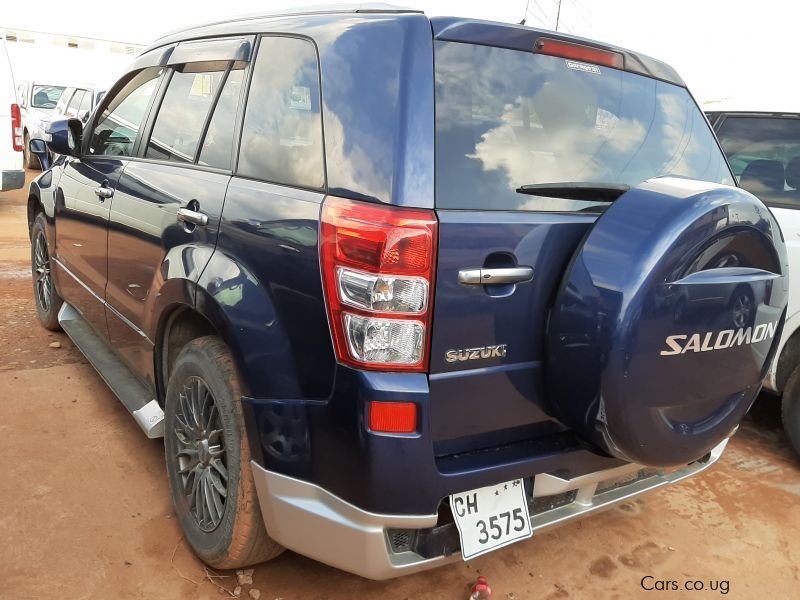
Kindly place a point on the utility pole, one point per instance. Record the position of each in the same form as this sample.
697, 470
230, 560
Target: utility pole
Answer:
558, 14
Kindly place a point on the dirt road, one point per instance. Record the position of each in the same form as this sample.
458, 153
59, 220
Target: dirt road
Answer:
84, 510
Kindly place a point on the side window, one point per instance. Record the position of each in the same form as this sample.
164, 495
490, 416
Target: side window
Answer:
182, 115
121, 119
86, 104
764, 154
74, 103
282, 131
218, 142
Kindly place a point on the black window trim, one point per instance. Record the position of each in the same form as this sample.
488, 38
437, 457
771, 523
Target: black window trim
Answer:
138, 155
243, 110
152, 113
211, 110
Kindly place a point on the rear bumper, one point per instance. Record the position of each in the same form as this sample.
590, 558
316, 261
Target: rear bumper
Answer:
311, 521
12, 180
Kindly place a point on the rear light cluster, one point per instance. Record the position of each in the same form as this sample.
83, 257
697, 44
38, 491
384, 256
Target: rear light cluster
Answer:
16, 128
378, 265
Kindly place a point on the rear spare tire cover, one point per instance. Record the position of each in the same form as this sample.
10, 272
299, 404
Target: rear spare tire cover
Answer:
666, 320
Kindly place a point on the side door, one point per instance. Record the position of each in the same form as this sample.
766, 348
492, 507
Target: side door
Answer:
74, 104
85, 194
167, 206
63, 101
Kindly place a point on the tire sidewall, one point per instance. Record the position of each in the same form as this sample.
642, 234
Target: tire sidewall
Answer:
192, 362
790, 410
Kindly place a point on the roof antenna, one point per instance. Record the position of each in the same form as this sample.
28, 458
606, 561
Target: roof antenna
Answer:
526, 13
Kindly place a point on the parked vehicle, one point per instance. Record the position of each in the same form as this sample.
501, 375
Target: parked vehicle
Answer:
763, 148
77, 102
12, 177
38, 101
404, 361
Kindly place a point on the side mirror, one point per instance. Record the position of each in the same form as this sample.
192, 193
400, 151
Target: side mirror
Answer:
65, 137
38, 148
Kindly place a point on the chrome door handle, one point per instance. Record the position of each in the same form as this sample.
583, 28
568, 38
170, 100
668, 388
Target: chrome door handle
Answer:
103, 192
193, 217
483, 276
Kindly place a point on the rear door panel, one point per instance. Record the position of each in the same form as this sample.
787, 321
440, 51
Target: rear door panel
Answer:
490, 393
148, 245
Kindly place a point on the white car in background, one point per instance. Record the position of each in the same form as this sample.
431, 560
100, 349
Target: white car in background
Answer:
38, 101
77, 102
12, 176
763, 149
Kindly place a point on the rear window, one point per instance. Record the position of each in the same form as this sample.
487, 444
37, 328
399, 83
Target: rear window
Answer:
764, 153
506, 118
46, 96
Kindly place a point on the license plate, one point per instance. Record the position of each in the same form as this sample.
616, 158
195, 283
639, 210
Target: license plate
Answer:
491, 517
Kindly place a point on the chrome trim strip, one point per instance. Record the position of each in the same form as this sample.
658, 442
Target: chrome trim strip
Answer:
117, 314
313, 522
75, 277
125, 320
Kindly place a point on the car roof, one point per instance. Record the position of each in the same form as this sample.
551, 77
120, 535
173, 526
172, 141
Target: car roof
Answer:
312, 9
752, 105
458, 29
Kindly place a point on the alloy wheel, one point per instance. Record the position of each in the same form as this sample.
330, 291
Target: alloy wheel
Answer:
43, 282
742, 307
201, 454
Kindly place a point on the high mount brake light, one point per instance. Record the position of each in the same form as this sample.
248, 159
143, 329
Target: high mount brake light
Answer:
17, 139
580, 52
378, 264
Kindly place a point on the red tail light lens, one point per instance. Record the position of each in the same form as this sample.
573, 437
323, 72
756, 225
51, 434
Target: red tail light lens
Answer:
393, 417
378, 265
580, 52
17, 139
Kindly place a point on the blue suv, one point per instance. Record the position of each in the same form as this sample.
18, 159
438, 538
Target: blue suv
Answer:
400, 290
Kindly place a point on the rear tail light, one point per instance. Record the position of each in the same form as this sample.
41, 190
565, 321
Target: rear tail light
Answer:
378, 265
580, 52
16, 128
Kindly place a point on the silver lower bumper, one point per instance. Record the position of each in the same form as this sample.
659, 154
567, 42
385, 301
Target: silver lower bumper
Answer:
311, 521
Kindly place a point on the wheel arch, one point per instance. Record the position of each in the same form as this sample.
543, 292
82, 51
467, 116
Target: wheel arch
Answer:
242, 309
179, 324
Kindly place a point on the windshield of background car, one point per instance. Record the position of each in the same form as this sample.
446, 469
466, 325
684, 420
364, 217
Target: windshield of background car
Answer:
46, 96
507, 118
764, 153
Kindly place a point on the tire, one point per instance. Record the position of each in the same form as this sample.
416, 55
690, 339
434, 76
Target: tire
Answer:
29, 160
226, 532
790, 409
46, 297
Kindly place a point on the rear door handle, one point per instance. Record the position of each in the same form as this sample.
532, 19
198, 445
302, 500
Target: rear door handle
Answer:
483, 276
103, 192
192, 216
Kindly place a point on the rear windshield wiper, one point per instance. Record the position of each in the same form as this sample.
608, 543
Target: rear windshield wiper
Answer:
575, 190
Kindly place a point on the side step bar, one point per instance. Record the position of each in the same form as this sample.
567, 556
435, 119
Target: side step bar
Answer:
127, 387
